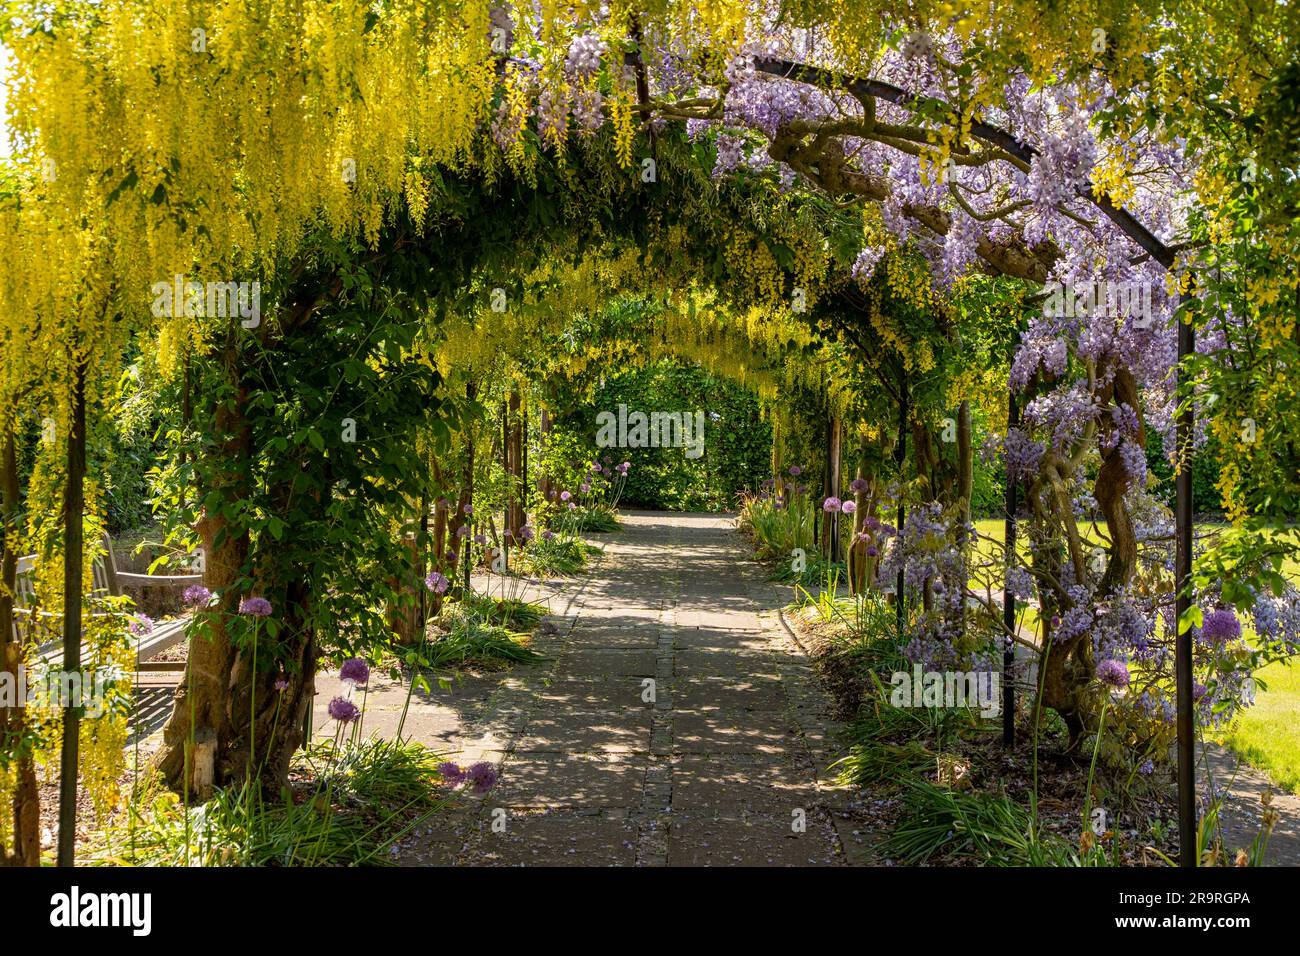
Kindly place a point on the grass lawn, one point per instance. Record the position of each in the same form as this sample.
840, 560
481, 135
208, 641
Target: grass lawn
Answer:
1268, 734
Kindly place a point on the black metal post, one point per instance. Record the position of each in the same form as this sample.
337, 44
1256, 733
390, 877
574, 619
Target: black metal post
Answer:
1008, 601
1183, 642
74, 511
900, 455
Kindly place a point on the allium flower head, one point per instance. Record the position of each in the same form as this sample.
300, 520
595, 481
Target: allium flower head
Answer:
141, 625
526, 533
355, 670
858, 485
1113, 673
451, 773
481, 776
343, 710
831, 504
565, 496
849, 506
196, 595
548, 535
255, 607
437, 583
795, 471
1220, 626
623, 467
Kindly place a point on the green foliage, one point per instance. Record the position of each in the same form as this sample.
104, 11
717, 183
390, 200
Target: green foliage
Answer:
557, 557
737, 442
481, 632
361, 800
990, 827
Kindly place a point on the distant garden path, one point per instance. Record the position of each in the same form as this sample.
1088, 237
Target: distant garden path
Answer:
717, 770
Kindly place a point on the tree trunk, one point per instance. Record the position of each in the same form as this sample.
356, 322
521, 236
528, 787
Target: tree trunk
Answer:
544, 480
202, 711
514, 454
26, 850
1112, 481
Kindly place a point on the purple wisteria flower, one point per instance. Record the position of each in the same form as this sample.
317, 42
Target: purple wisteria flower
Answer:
584, 54
437, 583
255, 607
1113, 673
196, 595
343, 710
355, 671
481, 776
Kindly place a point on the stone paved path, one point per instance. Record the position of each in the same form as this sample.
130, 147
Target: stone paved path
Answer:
676, 722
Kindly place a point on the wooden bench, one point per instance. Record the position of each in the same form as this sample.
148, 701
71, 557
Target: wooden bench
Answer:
32, 624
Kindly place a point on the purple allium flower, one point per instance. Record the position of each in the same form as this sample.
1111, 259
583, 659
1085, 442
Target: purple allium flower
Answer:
451, 558
795, 471
482, 776
548, 535
1220, 626
468, 509
565, 496
196, 595
831, 504
584, 488
573, 506
281, 684
343, 710
355, 670
437, 583
451, 773
623, 467
255, 607
858, 485
849, 507
141, 624
525, 533
872, 551
1113, 673
596, 468
480, 539
1147, 768
462, 531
